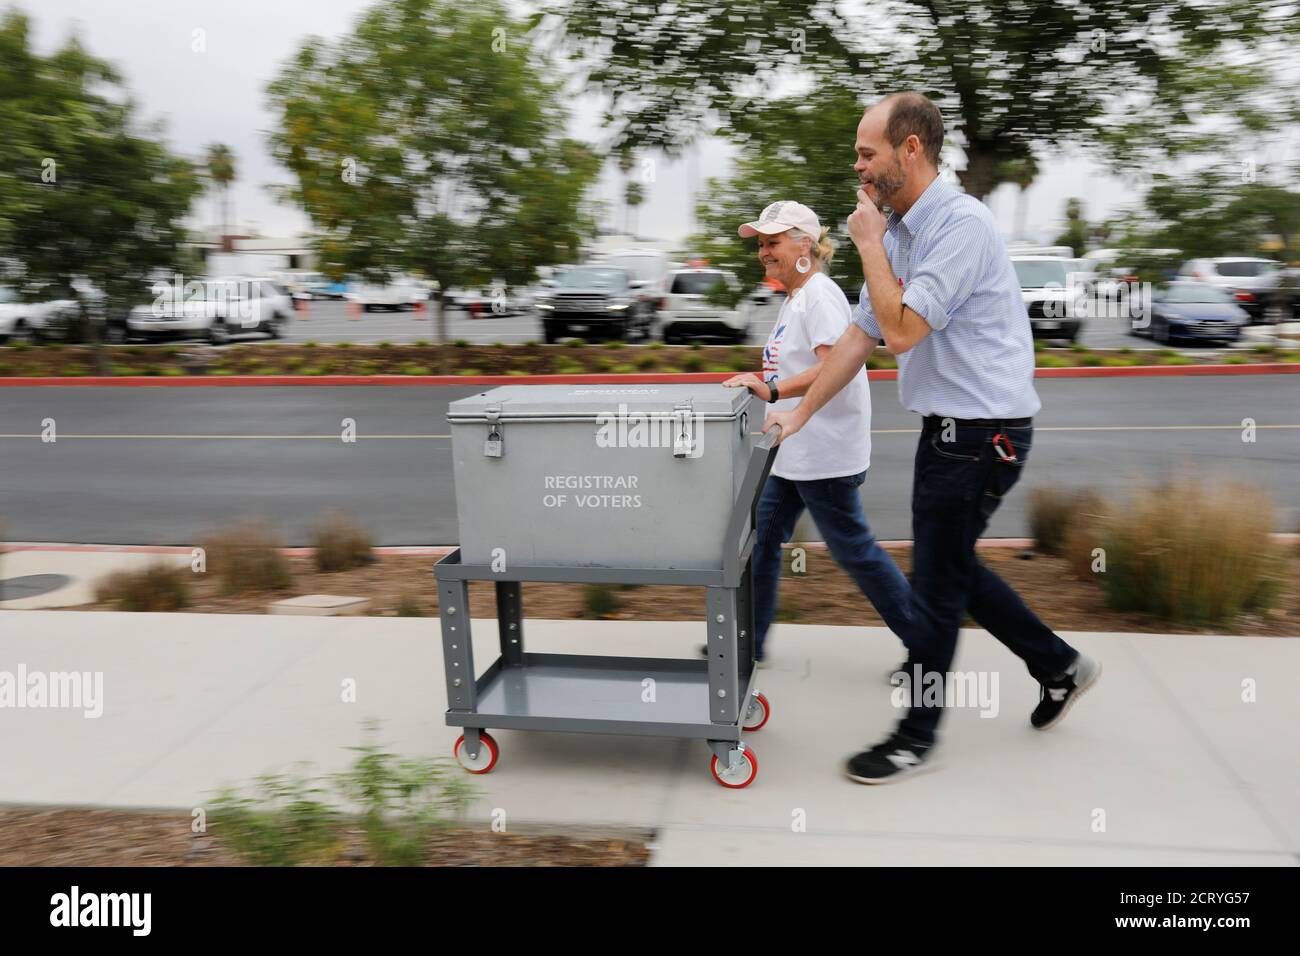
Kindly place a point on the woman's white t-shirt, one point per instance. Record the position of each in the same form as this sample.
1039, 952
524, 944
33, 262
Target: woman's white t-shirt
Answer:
837, 440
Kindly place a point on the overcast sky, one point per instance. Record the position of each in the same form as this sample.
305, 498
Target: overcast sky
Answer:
218, 96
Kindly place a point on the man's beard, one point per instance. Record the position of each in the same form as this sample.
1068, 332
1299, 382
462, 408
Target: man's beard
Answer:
887, 186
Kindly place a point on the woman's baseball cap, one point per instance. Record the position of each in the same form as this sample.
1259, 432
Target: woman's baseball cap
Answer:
783, 215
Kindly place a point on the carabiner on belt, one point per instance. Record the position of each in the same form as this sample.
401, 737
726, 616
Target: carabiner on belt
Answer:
1009, 452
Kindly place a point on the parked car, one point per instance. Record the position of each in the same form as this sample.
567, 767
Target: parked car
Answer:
35, 314
1251, 281
487, 302
1283, 305
1054, 304
400, 293
227, 307
1193, 310
685, 311
596, 301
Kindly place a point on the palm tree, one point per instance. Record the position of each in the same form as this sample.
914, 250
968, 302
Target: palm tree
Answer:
633, 196
221, 170
1022, 171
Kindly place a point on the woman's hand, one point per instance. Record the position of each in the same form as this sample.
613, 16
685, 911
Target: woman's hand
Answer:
752, 382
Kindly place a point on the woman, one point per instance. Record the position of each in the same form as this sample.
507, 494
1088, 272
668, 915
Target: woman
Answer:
821, 467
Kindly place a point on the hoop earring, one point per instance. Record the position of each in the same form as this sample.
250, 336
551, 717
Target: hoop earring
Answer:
803, 264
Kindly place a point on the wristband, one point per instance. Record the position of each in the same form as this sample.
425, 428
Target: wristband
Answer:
775, 396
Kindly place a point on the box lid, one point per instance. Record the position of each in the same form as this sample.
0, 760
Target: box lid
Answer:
708, 400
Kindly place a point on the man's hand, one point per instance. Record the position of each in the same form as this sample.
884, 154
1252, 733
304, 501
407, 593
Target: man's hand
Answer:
752, 382
866, 223
790, 423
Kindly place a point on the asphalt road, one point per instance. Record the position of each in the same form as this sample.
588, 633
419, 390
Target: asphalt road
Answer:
329, 321
162, 465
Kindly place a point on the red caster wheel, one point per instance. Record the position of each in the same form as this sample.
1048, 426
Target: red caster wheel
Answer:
742, 775
757, 713
487, 753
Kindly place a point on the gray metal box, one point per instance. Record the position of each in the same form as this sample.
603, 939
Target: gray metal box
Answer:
600, 475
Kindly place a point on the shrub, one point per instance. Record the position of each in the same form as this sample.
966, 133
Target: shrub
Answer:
160, 586
408, 606
337, 544
653, 345
247, 558
343, 345
1090, 359
460, 343
644, 361
286, 823
575, 343
599, 601
1192, 551
1234, 360
401, 800
422, 343
1053, 510
693, 362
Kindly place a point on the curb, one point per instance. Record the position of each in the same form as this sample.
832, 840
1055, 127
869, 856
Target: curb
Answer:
647, 378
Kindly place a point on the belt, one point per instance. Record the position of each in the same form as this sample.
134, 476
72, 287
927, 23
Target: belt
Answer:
939, 421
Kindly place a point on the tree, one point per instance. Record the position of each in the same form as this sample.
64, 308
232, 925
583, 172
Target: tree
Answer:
793, 149
1076, 234
221, 172
430, 137
1129, 78
1210, 213
83, 193
1021, 171
633, 196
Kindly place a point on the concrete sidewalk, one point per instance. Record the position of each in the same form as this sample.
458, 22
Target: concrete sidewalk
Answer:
1184, 771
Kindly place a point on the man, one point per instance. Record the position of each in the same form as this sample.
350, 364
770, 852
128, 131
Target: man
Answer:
942, 293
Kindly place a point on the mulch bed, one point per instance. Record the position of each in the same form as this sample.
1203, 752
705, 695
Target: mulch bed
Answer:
99, 837
825, 595
466, 359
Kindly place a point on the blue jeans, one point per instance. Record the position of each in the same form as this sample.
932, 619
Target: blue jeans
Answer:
956, 486
837, 510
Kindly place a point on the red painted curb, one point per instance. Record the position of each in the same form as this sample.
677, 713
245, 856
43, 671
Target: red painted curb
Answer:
646, 378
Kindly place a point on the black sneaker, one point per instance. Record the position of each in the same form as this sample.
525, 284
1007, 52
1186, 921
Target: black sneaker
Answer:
1056, 698
899, 756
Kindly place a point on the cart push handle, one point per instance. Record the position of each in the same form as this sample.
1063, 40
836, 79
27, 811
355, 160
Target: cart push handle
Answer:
744, 513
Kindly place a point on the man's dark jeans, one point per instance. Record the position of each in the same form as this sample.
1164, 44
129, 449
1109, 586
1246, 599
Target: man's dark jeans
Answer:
837, 509
957, 485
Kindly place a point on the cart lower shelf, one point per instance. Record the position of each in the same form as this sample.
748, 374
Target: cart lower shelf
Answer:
654, 697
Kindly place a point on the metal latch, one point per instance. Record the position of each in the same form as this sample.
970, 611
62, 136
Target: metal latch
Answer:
494, 446
683, 428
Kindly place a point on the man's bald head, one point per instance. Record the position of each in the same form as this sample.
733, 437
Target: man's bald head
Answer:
912, 114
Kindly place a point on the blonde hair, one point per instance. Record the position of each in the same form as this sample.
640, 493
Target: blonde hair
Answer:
823, 250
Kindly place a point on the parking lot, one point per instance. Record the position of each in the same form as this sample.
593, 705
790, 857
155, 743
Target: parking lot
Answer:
331, 321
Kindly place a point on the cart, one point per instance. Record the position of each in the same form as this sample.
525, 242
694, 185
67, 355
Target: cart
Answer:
713, 698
